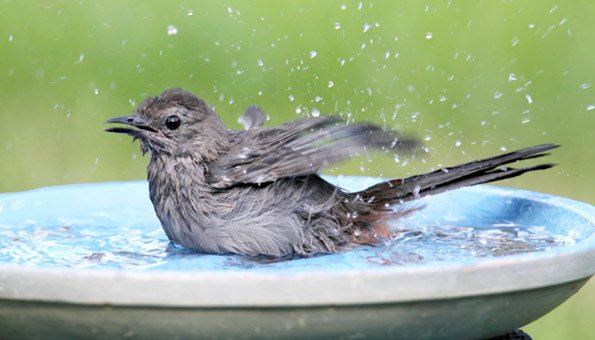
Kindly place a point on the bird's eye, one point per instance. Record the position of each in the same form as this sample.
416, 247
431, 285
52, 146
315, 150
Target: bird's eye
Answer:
172, 122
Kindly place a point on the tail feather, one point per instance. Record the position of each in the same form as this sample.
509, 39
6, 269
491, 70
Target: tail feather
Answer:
445, 179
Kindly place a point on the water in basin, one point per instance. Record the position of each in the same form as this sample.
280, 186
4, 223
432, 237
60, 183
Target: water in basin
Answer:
112, 226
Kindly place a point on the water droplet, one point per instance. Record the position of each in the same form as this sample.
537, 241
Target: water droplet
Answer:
331, 83
39, 74
590, 107
313, 54
343, 6
429, 35
10, 38
416, 191
497, 95
341, 61
366, 27
442, 98
503, 148
357, 232
515, 41
428, 138
585, 86
96, 91
190, 12
291, 98
525, 120
298, 109
260, 63
512, 77
172, 30
315, 112
531, 25
81, 58
529, 99
360, 5
337, 25
458, 143
553, 9
317, 99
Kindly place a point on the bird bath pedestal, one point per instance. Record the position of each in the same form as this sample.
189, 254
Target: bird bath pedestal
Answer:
92, 261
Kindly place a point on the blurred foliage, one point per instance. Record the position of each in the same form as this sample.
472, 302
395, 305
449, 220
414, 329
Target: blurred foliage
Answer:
470, 78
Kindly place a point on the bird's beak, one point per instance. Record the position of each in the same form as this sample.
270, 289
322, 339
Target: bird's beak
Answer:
132, 120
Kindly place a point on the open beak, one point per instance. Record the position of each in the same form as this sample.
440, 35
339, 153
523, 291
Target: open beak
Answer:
133, 121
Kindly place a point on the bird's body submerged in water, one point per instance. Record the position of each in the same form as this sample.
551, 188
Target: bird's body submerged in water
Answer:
257, 192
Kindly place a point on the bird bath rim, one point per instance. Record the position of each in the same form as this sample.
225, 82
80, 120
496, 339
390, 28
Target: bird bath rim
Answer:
391, 284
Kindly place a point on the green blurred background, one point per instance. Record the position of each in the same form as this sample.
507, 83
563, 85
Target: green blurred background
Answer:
470, 78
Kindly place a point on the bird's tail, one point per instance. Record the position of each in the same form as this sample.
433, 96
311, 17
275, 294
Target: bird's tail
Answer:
445, 179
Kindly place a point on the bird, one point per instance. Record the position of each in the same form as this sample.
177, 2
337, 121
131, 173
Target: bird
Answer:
257, 192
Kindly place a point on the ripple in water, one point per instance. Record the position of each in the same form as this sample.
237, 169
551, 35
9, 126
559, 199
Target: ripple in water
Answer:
147, 248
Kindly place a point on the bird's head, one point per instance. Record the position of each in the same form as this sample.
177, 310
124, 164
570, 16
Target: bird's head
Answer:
176, 122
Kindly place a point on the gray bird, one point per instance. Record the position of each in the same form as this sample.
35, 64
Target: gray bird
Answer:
257, 192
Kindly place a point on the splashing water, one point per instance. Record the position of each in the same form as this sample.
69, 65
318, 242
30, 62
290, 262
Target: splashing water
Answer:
172, 30
115, 228
145, 247
443, 243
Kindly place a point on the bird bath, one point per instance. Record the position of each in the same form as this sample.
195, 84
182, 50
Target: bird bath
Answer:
92, 260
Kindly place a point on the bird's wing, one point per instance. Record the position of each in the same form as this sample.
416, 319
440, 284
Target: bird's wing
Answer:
297, 148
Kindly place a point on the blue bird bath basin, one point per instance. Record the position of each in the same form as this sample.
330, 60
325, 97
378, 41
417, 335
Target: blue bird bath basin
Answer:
91, 260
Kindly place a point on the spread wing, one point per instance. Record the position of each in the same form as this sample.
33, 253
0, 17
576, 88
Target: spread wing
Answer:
297, 148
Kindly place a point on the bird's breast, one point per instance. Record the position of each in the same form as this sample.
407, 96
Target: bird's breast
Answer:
179, 192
